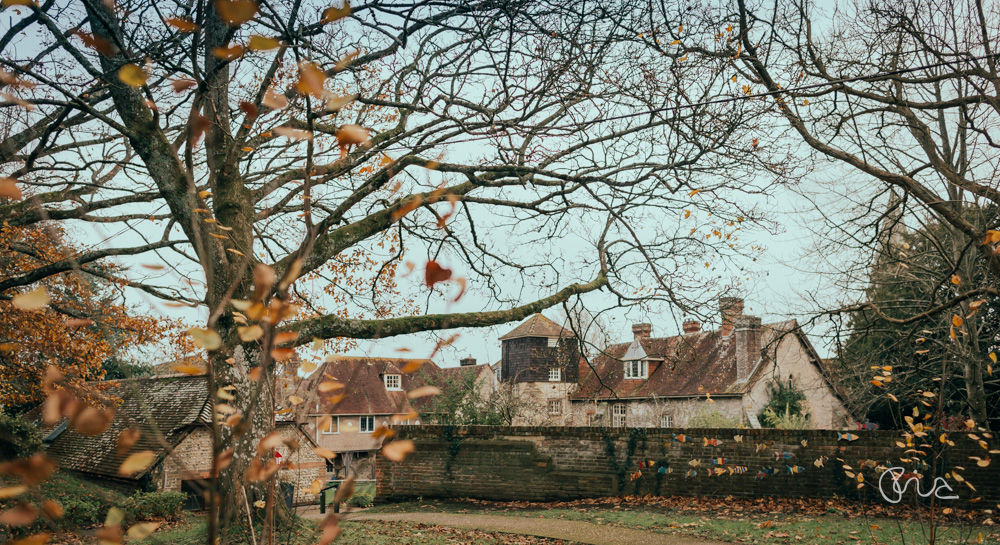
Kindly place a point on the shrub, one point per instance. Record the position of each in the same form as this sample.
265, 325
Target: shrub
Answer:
785, 421
81, 511
156, 505
362, 499
18, 439
713, 419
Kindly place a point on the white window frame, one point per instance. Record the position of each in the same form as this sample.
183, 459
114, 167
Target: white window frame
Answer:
498, 373
397, 381
555, 374
334, 422
619, 415
361, 424
666, 420
553, 342
557, 403
637, 369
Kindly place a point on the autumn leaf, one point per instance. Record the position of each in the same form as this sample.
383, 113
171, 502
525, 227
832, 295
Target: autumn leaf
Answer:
97, 43
274, 100
329, 386
434, 273
250, 333
182, 24
324, 452
9, 189
412, 366
397, 451
142, 530
311, 79
260, 504
22, 515
236, 12
423, 391
205, 338
282, 354
32, 300
349, 135
269, 441
137, 463
293, 134
132, 75
955, 279
263, 43
956, 320
345, 490
12, 491
229, 53
334, 13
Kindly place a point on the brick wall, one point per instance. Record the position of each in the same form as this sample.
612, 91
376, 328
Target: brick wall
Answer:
551, 464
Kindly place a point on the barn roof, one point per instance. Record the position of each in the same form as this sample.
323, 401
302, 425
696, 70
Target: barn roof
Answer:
154, 405
538, 326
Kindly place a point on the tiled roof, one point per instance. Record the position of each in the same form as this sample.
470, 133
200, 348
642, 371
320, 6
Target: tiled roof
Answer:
170, 405
364, 385
692, 365
538, 326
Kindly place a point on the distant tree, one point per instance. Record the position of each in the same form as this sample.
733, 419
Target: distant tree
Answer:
85, 325
18, 438
784, 400
464, 402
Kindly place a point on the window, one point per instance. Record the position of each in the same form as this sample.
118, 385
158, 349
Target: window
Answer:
637, 369
367, 424
513, 390
666, 421
555, 375
334, 426
497, 373
553, 342
555, 407
618, 413
392, 382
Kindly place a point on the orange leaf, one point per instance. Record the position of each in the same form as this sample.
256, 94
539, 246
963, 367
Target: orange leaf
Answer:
9, 189
182, 24
334, 13
397, 450
32, 300
293, 134
97, 43
236, 12
956, 320
311, 79
282, 354
423, 391
435, 273
234, 51
137, 463
263, 43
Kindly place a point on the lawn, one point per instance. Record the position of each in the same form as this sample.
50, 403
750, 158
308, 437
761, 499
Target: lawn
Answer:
737, 521
357, 533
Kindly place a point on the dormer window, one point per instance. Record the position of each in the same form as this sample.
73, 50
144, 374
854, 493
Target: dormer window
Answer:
637, 369
393, 382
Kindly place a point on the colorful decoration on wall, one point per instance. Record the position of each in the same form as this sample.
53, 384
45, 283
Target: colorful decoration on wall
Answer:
636, 475
761, 447
738, 470
821, 461
663, 470
795, 469
717, 461
716, 472
694, 463
846, 436
681, 438
765, 472
711, 442
783, 455
691, 473
738, 438
805, 442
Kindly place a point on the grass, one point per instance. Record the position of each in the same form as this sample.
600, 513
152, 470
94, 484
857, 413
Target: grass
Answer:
353, 533
776, 528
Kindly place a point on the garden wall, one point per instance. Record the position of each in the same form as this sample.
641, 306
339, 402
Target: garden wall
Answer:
565, 463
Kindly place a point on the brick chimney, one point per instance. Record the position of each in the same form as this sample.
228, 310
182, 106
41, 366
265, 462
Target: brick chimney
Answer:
746, 340
642, 330
467, 361
729, 308
691, 326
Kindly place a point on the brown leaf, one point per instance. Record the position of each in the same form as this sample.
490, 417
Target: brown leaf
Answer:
232, 52
286, 337
205, 338
250, 333
274, 100
349, 135
236, 12
142, 530
263, 43
409, 205
223, 459
126, 439
36, 539
330, 529
396, 451
291, 275
249, 109
137, 463
293, 134
324, 452
412, 366
22, 515
282, 354
92, 421
329, 386
269, 441
52, 509
435, 273
12, 491
97, 43
345, 490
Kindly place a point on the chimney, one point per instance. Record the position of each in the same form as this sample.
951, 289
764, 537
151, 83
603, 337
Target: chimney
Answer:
467, 361
746, 340
642, 330
691, 326
729, 308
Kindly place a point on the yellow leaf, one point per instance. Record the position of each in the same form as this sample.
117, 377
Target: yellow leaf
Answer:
956, 320
295, 400
892, 397
204, 193
250, 333
142, 530
187, 369
12, 491
205, 338
236, 12
260, 504
324, 452
136, 463
34, 299
955, 279
675, 42
263, 43
132, 75
308, 367
993, 357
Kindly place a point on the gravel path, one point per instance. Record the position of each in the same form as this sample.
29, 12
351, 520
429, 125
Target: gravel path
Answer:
570, 530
